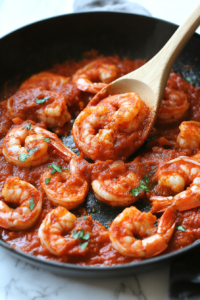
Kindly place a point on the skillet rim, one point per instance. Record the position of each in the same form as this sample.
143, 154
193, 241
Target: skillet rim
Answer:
99, 270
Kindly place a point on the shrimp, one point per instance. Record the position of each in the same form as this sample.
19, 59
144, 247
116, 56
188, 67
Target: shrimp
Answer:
55, 83
133, 222
111, 129
63, 188
95, 71
39, 105
112, 182
175, 175
28, 198
173, 107
57, 222
189, 136
33, 153
27, 145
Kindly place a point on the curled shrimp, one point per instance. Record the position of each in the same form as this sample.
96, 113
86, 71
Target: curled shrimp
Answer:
174, 176
28, 198
189, 136
63, 188
112, 182
132, 222
57, 222
173, 107
27, 145
39, 105
55, 83
22, 147
111, 129
87, 78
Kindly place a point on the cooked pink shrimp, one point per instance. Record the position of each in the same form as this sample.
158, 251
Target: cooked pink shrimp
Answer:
173, 107
28, 198
175, 175
111, 129
55, 83
189, 136
27, 145
63, 188
33, 153
57, 222
112, 182
87, 78
39, 105
133, 222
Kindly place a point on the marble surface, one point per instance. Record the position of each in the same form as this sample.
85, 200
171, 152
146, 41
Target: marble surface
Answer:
21, 281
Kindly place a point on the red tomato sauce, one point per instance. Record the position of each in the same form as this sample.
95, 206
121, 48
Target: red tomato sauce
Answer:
162, 148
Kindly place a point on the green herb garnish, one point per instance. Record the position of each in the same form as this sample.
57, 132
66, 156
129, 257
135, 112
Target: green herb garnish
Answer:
42, 100
86, 236
47, 140
31, 204
180, 228
143, 186
81, 235
55, 168
188, 79
23, 157
27, 126
84, 245
93, 210
85, 218
47, 180
31, 151
75, 234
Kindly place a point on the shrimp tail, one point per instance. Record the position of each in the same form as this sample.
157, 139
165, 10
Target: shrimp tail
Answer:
160, 204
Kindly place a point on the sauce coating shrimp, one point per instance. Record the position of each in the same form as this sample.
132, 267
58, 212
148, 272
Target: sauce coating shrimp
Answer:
173, 107
97, 71
55, 83
111, 129
58, 221
112, 182
39, 105
28, 198
33, 153
64, 188
132, 222
189, 136
174, 176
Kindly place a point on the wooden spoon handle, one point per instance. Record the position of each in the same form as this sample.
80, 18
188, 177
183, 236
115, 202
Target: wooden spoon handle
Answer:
158, 68
168, 54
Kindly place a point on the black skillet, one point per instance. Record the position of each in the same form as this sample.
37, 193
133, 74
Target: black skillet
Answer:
39, 46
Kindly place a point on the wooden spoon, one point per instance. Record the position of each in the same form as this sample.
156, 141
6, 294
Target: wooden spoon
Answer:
150, 80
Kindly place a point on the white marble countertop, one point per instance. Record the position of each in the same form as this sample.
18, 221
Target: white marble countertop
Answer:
21, 281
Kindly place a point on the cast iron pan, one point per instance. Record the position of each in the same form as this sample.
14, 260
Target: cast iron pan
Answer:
39, 46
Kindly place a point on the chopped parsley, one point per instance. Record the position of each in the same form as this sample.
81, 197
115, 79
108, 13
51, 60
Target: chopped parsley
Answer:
180, 228
23, 156
55, 168
42, 100
31, 204
84, 245
192, 79
81, 235
143, 186
31, 151
27, 126
47, 180
85, 218
47, 140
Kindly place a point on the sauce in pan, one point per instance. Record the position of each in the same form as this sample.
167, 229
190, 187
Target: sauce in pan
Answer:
48, 103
